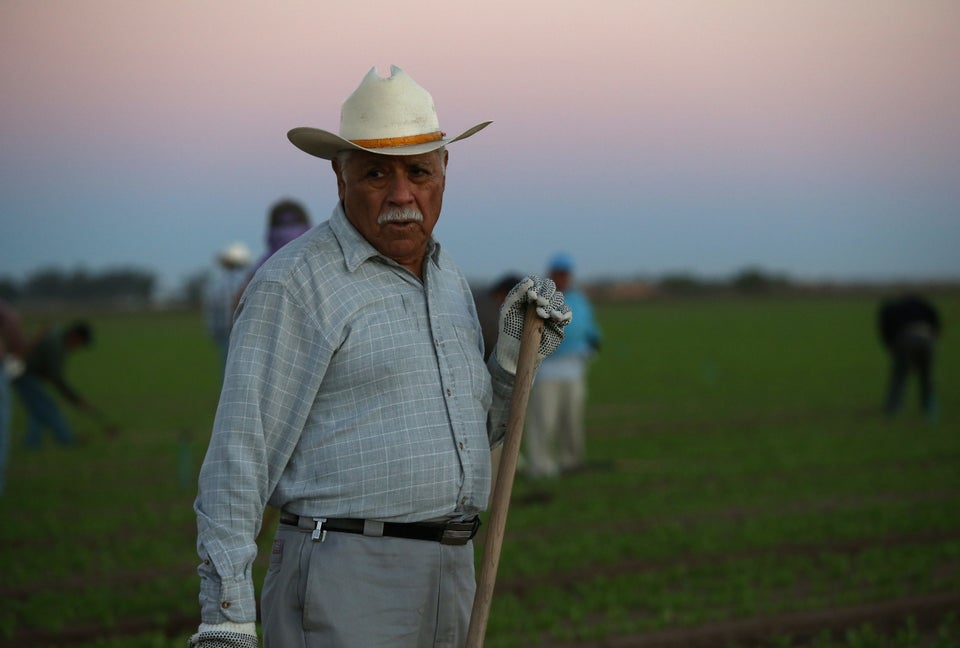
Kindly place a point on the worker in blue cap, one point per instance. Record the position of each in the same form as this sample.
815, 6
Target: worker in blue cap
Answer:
555, 438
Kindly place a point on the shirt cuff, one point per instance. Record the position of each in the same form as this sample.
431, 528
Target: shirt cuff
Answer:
227, 601
229, 626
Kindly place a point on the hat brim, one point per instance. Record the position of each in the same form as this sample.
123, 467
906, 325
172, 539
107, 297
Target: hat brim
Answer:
326, 145
232, 260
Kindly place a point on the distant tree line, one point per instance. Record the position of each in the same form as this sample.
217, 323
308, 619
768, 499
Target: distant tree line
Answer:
754, 281
134, 287
130, 286
750, 280
747, 281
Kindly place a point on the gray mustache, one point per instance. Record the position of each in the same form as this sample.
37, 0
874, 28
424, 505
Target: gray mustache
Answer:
400, 214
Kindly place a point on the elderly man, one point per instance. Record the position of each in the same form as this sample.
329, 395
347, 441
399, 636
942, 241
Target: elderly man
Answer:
356, 400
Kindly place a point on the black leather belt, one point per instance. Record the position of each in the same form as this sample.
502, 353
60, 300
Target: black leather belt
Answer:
450, 533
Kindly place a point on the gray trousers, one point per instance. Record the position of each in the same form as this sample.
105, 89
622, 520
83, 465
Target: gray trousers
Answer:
555, 439
355, 591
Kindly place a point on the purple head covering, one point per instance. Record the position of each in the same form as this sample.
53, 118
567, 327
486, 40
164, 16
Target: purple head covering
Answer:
277, 237
288, 220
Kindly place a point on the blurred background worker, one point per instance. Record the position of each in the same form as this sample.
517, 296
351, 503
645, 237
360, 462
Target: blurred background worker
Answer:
45, 362
909, 328
488, 303
287, 220
554, 440
218, 299
13, 348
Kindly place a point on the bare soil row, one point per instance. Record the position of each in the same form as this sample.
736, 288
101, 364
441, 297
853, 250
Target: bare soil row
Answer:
926, 610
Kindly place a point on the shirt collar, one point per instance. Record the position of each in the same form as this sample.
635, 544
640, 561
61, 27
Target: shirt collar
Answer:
356, 249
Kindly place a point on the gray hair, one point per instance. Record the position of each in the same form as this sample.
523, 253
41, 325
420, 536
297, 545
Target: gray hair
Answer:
343, 157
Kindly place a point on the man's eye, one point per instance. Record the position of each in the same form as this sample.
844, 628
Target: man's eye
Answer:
374, 173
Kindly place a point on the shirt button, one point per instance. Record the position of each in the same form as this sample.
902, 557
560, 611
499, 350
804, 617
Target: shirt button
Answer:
461, 445
449, 393
225, 605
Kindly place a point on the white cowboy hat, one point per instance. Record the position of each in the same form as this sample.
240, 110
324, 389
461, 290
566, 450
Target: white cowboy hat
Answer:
235, 254
390, 116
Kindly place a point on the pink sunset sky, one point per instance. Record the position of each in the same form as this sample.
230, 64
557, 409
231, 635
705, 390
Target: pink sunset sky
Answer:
820, 139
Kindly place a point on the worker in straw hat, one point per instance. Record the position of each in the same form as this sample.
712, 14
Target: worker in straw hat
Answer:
357, 402
218, 298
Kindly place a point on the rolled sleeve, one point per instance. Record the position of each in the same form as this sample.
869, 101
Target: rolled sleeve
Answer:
225, 600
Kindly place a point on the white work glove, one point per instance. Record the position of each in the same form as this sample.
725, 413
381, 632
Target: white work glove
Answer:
550, 307
225, 635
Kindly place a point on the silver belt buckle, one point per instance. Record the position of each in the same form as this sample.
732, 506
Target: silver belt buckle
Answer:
459, 533
319, 534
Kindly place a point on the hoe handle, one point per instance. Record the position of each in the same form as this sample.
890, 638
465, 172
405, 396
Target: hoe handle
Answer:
500, 501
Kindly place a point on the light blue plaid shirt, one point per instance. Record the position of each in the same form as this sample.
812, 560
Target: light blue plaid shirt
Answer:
351, 390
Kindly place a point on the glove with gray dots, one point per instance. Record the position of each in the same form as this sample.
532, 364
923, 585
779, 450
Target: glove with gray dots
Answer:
225, 635
550, 306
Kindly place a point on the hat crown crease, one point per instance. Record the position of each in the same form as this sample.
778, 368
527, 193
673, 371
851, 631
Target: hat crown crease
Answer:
386, 108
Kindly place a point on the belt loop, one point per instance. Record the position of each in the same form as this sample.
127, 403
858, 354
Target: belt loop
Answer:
372, 528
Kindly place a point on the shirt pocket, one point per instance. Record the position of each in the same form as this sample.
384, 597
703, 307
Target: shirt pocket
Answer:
468, 338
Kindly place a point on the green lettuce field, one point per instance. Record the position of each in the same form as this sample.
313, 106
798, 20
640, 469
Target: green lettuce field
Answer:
743, 490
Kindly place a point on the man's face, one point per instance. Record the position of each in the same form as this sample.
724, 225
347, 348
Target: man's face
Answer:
382, 194
561, 278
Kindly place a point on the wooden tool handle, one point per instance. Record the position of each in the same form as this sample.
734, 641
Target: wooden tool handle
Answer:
500, 501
